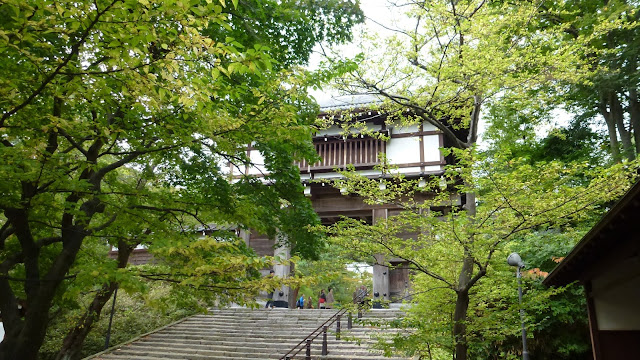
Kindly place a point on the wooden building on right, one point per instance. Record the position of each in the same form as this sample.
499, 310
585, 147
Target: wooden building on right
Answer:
607, 263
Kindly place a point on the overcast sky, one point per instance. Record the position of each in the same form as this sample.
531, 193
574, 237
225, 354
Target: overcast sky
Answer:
377, 12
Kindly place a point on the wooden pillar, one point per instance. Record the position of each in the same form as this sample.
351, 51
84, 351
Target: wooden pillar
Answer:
593, 321
281, 296
245, 235
380, 271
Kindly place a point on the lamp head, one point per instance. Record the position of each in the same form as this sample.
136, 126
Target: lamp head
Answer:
515, 260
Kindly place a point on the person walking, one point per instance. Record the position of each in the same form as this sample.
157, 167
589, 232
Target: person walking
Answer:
322, 299
309, 303
330, 299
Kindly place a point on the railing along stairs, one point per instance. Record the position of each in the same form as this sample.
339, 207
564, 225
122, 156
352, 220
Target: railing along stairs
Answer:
322, 329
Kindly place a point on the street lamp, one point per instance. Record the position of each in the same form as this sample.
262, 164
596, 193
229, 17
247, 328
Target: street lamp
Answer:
515, 260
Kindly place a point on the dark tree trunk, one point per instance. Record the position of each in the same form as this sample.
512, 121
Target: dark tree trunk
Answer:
25, 337
462, 292
72, 343
293, 293
614, 147
634, 105
460, 325
617, 112
634, 114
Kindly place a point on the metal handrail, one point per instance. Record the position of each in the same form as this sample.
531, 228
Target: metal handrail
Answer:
315, 333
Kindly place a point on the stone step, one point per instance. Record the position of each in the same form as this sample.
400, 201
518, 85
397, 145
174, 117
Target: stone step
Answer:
279, 335
262, 344
289, 341
241, 348
234, 353
298, 357
257, 334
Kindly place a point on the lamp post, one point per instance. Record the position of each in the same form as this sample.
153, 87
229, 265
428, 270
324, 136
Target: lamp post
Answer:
515, 260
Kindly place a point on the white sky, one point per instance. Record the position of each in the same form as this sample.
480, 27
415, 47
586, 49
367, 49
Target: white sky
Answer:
375, 11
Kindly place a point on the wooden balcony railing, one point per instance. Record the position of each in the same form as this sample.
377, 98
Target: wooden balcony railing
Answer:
359, 152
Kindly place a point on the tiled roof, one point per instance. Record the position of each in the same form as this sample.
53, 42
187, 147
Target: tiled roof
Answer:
345, 102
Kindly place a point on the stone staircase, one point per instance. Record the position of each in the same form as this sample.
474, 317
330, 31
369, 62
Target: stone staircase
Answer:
239, 333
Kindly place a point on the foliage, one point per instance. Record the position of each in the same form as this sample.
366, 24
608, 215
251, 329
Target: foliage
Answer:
447, 60
135, 314
126, 123
559, 320
514, 199
609, 32
443, 64
516, 131
331, 271
290, 29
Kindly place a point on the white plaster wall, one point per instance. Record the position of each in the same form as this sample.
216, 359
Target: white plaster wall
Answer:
237, 170
327, 175
369, 172
408, 170
258, 160
405, 129
428, 127
432, 169
337, 130
403, 150
333, 175
616, 296
373, 173
333, 130
431, 146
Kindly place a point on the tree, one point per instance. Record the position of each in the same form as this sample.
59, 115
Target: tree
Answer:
513, 130
445, 62
514, 198
609, 31
136, 313
121, 123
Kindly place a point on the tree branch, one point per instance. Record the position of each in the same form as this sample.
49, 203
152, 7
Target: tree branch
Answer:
73, 53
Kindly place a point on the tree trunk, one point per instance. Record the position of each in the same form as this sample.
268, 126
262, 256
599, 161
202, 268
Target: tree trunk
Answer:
460, 325
72, 343
634, 114
614, 147
293, 292
617, 114
462, 292
25, 337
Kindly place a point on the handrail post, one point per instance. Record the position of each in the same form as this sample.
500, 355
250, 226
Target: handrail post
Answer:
350, 321
338, 328
308, 356
324, 341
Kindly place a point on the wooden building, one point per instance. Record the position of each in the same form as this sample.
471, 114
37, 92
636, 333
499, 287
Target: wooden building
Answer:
414, 150
607, 263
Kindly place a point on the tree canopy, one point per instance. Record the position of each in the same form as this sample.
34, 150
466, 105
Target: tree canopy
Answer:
609, 32
454, 64
516, 201
126, 123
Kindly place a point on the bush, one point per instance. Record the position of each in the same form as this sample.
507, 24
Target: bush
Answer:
135, 314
